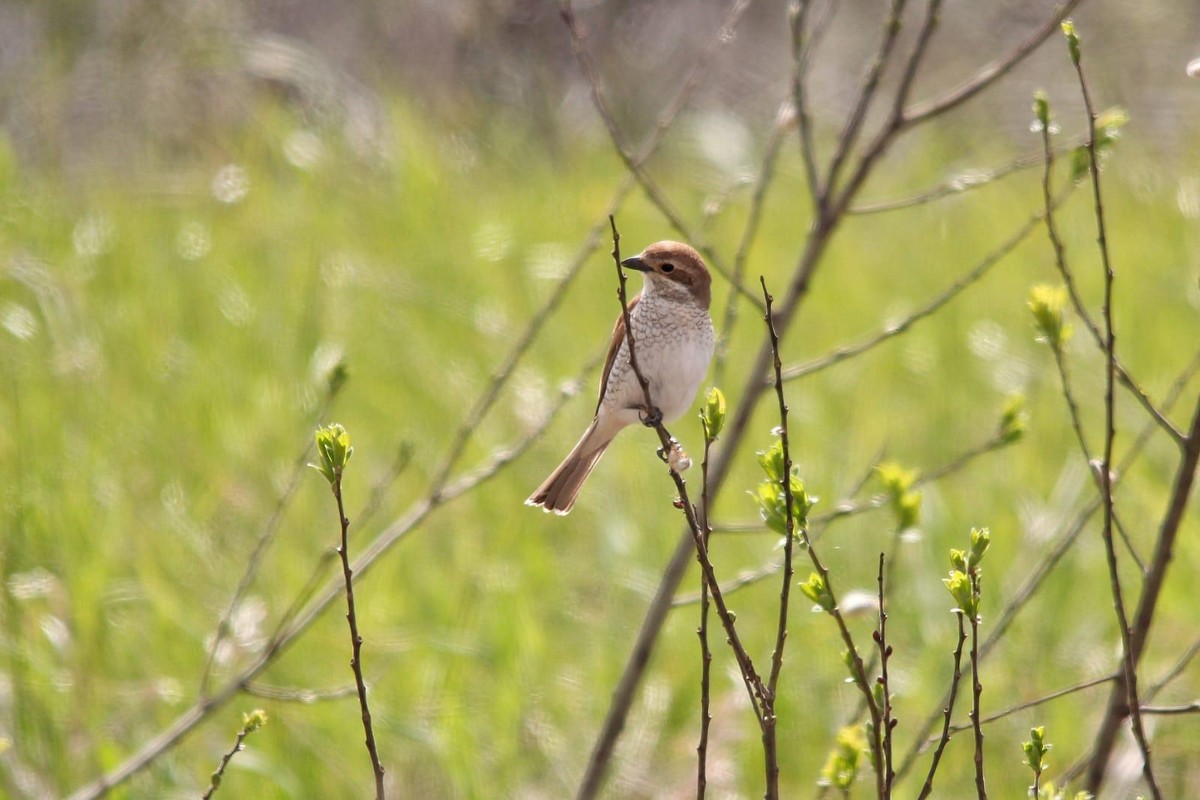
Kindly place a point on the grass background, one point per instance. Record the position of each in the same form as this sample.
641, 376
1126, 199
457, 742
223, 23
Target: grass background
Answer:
164, 355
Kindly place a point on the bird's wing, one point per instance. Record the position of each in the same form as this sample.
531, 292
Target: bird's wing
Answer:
618, 337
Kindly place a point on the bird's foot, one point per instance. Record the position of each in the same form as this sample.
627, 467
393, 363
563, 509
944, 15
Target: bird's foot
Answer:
651, 418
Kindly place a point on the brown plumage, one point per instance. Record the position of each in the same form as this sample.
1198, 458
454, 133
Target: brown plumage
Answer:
673, 335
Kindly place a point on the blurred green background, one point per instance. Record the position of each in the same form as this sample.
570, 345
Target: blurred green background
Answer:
204, 208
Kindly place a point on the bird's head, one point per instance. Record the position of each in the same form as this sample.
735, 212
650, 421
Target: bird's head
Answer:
674, 270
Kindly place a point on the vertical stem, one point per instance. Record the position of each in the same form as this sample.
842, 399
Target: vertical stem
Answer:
702, 632
356, 642
976, 691
770, 746
947, 711
1110, 350
885, 653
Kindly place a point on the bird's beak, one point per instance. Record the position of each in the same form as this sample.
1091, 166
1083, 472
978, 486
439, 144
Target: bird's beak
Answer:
635, 262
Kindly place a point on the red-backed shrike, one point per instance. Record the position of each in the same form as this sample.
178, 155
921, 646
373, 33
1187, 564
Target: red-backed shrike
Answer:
673, 337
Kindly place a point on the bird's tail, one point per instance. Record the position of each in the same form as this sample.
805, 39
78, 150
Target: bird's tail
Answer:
558, 492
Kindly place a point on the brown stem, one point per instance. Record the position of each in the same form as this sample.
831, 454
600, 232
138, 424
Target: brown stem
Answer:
702, 632
1110, 350
976, 691
356, 641
947, 711
885, 654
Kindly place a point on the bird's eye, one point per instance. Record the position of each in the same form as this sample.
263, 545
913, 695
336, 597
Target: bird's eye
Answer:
668, 267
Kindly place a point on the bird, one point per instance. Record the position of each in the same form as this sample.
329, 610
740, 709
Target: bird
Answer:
673, 342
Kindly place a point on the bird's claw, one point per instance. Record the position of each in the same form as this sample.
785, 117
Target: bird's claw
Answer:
651, 418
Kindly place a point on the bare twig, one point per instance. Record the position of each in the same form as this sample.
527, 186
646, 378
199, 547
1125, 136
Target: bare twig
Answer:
885, 655
251, 722
702, 633
929, 109
968, 279
635, 167
758, 197
947, 711
294, 695
1079, 687
1110, 350
267, 536
356, 639
976, 691
1187, 708
770, 722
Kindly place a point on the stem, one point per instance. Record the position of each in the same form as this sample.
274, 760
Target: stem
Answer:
1110, 350
356, 642
885, 653
976, 691
769, 731
947, 711
702, 632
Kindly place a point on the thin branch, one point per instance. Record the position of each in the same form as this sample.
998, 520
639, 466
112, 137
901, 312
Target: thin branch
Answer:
1188, 708
1110, 432
635, 167
947, 712
287, 694
853, 126
702, 633
968, 279
958, 185
356, 640
766, 174
976, 692
928, 109
770, 726
1079, 687
252, 723
885, 655
798, 18
267, 536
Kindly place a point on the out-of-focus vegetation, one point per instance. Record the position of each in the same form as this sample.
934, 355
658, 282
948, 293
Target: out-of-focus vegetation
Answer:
167, 333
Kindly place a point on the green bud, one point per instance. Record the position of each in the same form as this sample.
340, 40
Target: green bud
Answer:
1047, 304
1108, 127
1041, 108
771, 461
842, 766
958, 560
254, 720
1068, 29
906, 503
815, 589
712, 416
1013, 418
981, 540
333, 447
1081, 162
959, 586
1036, 749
